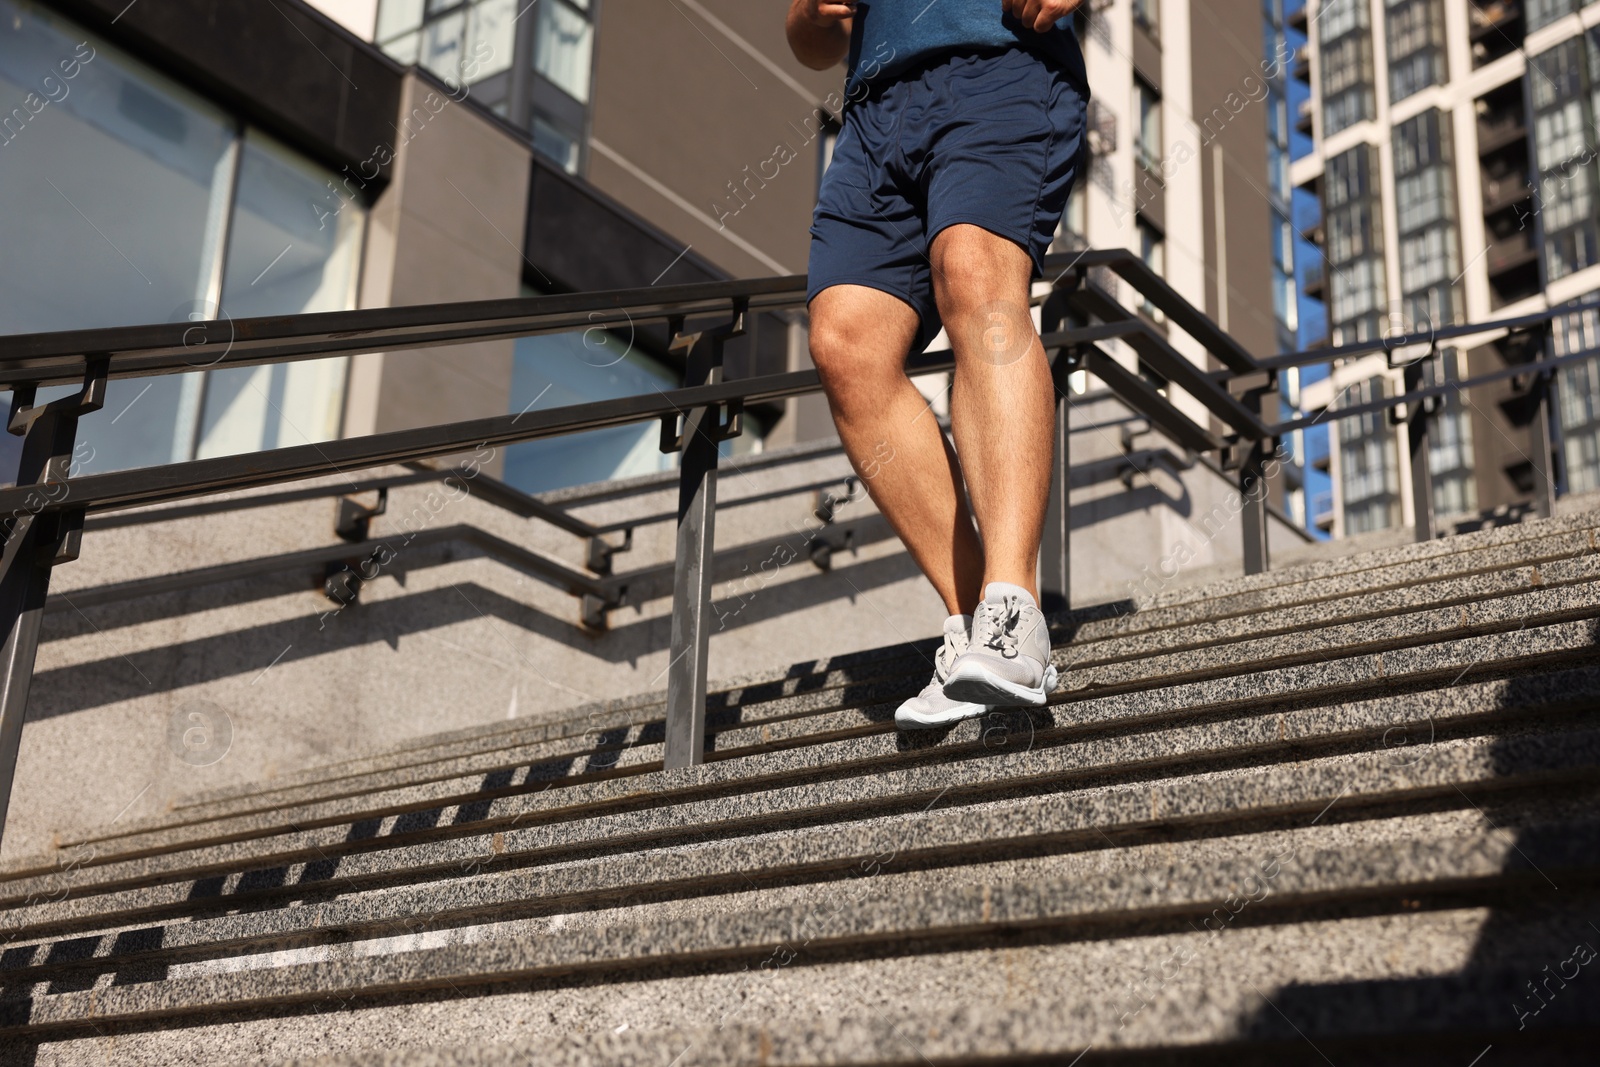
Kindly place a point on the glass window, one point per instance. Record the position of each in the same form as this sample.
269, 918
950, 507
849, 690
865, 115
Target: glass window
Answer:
1153, 250
1557, 74
1416, 46
453, 37
1075, 219
442, 51
1144, 14
563, 50
1147, 105
294, 248
1277, 118
1425, 210
1593, 40
1544, 12
1455, 488
1578, 390
73, 160
1559, 133
493, 31
1562, 124
1368, 466
396, 17
559, 369
554, 143
91, 133
294, 241
131, 190
1283, 299
1346, 71
1335, 18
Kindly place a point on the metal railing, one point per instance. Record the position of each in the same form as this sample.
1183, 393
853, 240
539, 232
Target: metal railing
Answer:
343, 569
44, 514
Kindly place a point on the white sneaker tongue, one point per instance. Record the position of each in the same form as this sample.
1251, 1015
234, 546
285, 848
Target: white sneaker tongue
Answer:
995, 592
958, 624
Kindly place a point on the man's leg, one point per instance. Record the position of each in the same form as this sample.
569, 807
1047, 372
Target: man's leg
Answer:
1002, 407
859, 340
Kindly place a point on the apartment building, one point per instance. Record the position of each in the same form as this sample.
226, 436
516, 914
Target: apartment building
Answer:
1454, 159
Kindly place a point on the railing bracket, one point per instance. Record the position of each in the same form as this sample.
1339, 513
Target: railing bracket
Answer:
353, 520
601, 552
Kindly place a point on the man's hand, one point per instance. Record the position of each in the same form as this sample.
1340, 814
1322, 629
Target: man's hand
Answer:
828, 12
1041, 15
819, 31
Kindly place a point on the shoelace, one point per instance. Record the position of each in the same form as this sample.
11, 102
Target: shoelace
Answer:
1001, 633
945, 658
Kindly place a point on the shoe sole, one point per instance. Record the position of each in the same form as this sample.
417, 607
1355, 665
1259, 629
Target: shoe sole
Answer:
970, 682
911, 721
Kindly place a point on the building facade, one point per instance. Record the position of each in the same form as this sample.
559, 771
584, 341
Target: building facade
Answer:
366, 153
1454, 160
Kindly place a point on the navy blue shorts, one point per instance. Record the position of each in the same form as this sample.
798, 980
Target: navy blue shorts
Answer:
992, 139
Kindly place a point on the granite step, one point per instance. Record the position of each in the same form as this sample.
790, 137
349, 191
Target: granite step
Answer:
477, 796
802, 868
1085, 651
1525, 602
1343, 794
1327, 991
705, 879
1261, 993
872, 922
612, 725
1337, 566
1406, 586
1146, 779
336, 850
1565, 592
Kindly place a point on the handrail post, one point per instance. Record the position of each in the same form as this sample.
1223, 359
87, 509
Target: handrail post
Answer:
1541, 446
1253, 487
704, 429
1417, 422
1055, 546
35, 541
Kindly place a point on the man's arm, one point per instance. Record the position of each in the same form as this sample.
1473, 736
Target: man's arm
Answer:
819, 31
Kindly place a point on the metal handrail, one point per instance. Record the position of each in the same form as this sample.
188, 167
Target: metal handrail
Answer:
43, 516
63, 358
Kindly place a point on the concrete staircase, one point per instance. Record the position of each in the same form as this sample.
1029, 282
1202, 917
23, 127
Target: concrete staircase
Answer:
1344, 812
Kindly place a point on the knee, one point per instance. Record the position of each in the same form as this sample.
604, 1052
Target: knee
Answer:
849, 379
964, 296
980, 281
830, 346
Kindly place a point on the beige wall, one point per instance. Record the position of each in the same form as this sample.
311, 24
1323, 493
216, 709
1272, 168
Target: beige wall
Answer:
689, 94
448, 228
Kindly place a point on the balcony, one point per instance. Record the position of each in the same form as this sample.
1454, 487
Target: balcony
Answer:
1512, 261
1102, 129
1510, 251
1502, 122
1302, 116
1495, 29
1314, 279
1505, 191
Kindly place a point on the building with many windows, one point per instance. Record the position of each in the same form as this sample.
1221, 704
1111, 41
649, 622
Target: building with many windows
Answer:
1454, 159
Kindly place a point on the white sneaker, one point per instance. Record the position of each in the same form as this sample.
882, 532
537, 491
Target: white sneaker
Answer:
931, 708
1007, 662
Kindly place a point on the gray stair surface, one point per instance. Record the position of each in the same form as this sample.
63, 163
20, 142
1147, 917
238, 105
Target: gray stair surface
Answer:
1346, 811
